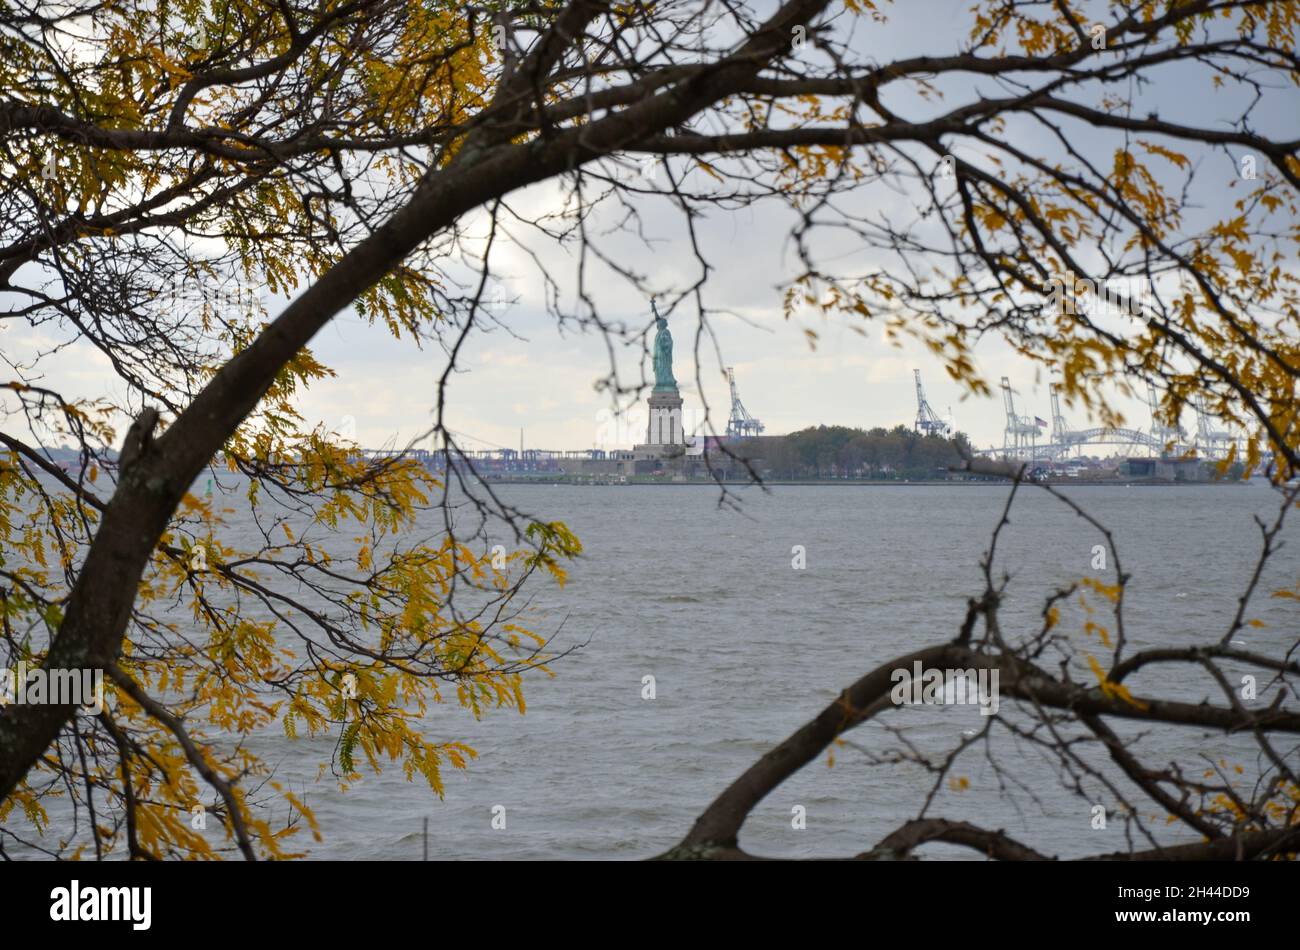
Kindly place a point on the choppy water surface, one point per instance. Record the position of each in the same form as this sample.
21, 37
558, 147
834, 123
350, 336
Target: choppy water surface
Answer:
744, 649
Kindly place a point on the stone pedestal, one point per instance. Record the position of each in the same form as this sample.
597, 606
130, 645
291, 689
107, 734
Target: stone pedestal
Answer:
665, 425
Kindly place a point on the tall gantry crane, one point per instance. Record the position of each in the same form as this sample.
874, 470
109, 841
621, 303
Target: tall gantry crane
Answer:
927, 420
1021, 432
741, 424
1063, 437
1214, 443
1161, 431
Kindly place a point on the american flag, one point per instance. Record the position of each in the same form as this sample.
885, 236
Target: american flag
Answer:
1041, 422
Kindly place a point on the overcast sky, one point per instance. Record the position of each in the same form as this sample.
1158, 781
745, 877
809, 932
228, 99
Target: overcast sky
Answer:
540, 380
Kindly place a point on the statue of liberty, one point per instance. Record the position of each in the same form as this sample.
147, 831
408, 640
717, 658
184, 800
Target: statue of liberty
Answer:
663, 354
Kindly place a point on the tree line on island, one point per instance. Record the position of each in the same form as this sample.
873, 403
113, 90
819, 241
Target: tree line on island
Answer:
846, 452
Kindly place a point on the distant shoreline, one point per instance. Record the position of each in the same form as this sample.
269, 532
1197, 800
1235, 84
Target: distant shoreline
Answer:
853, 483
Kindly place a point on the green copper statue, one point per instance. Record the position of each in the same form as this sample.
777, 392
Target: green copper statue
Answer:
663, 354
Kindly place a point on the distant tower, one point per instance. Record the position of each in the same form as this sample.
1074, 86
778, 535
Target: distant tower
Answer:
741, 424
665, 424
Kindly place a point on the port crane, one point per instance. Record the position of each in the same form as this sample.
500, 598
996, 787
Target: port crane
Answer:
1161, 431
927, 420
1213, 443
741, 424
1021, 432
